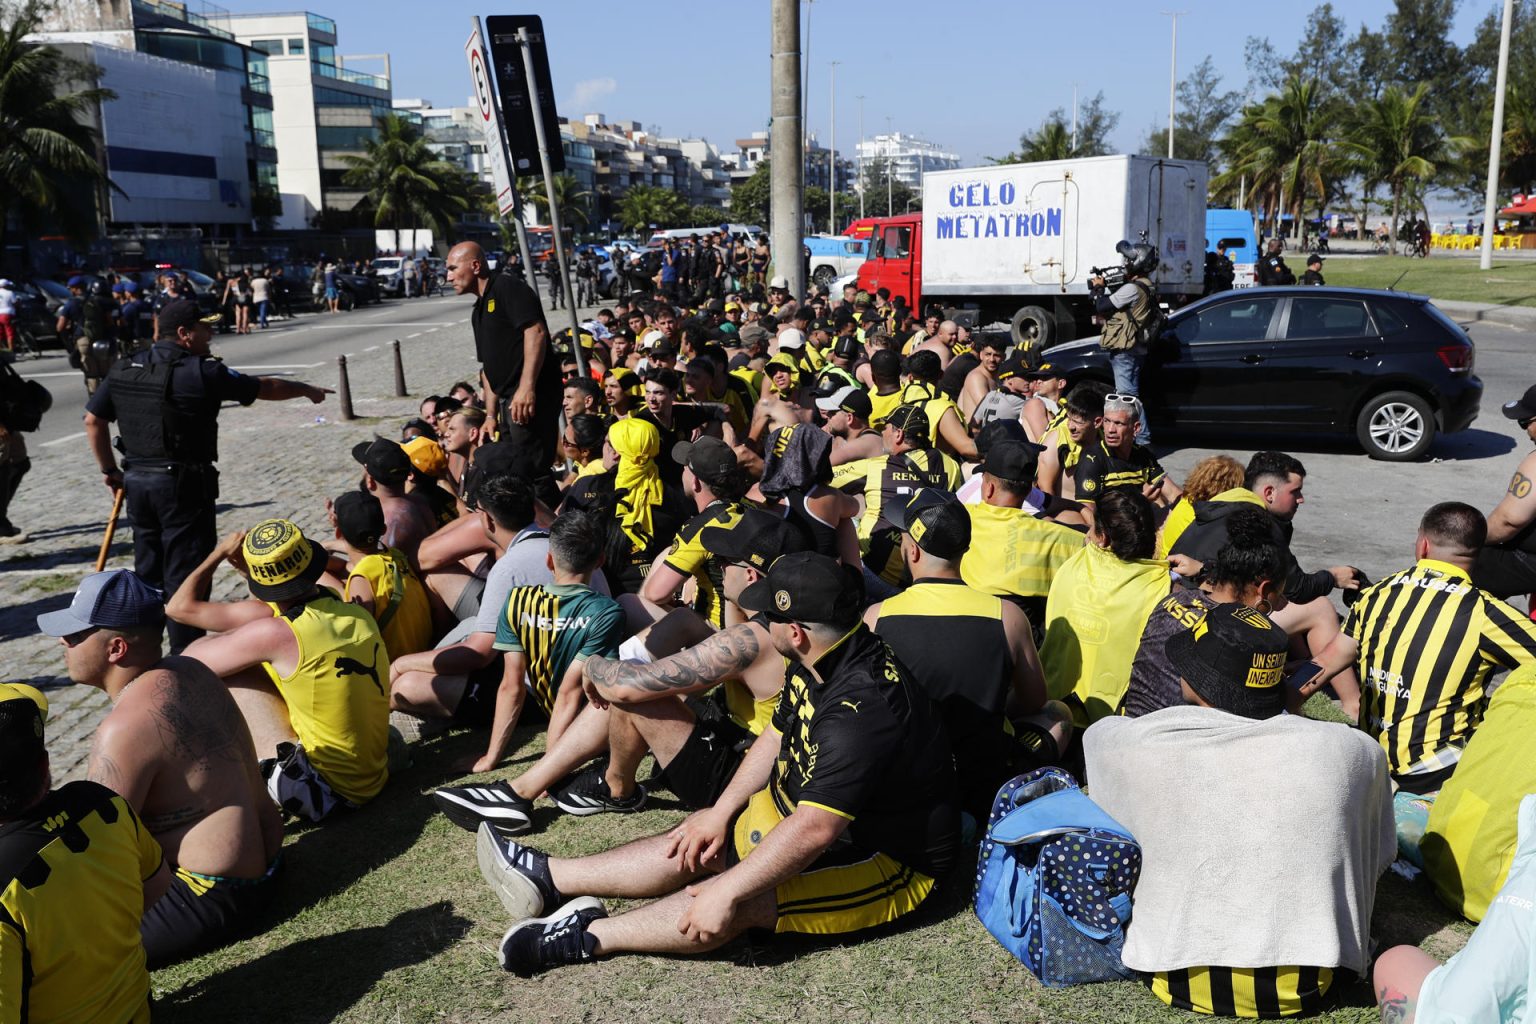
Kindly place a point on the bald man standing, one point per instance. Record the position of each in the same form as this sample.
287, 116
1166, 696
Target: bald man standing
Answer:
521, 383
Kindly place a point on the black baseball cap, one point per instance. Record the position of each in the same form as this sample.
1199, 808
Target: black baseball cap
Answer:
1013, 366
936, 521
849, 399
1045, 371
708, 457
806, 587
180, 313
1234, 658
1315, 258
909, 419
384, 459
499, 458
756, 539
360, 518
997, 431
1013, 461
1524, 407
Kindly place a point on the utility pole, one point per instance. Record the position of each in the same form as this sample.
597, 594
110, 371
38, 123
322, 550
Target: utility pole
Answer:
861, 157
1491, 199
890, 148
1173, 75
805, 89
787, 171
1074, 119
832, 144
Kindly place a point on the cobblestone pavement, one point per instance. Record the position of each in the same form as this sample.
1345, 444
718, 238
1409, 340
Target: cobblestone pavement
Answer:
279, 459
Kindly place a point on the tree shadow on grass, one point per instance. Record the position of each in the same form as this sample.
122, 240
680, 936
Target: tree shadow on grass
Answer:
317, 979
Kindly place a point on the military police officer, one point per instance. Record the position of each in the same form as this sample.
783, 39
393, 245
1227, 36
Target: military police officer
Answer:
165, 402
1272, 268
1314, 274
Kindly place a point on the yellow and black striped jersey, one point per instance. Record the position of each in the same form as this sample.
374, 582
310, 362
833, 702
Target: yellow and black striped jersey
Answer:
1429, 640
690, 558
72, 872
554, 626
1100, 471
1257, 992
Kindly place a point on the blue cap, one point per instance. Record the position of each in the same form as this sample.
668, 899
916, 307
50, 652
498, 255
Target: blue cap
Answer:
118, 287
77, 282
132, 287
116, 600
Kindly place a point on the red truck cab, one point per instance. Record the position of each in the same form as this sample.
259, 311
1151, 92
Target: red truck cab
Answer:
896, 259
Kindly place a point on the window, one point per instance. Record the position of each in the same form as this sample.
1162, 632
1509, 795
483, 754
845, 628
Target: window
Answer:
1239, 320
896, 243
295, 46
1388, 320
271, 47
1327, 318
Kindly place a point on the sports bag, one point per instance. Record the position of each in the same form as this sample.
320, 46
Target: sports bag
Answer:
1054, 880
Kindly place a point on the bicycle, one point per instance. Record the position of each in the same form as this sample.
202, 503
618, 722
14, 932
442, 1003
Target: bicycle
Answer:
27, 344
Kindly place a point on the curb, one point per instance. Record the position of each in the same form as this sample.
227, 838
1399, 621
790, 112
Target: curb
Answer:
1478, 312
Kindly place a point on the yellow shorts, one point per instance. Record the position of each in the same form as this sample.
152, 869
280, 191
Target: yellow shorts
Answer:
832, 898
1244, 992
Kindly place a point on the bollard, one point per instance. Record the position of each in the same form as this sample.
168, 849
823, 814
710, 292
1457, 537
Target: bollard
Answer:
344, 389
400, 391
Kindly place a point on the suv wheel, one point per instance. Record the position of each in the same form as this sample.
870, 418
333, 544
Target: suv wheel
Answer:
1397, 426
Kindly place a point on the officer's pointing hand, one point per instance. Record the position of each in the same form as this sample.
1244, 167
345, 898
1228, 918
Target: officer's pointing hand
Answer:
317, 393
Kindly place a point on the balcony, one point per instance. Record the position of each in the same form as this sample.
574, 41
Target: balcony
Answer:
258, 83
261, 137
323, 26
179, 12
348, 75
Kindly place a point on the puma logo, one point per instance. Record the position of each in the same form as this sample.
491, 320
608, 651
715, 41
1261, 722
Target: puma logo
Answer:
352, 667
854, 704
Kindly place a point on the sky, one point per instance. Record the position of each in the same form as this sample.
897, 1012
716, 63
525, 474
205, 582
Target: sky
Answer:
970, 75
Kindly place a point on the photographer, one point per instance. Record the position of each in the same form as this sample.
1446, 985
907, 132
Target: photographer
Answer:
1132, 318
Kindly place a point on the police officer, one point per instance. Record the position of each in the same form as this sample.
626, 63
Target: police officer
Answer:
1219, 271
1272, 268
86, 324
165, 402
1314, 274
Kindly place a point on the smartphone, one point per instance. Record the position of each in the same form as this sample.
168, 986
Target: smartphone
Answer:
1299, 673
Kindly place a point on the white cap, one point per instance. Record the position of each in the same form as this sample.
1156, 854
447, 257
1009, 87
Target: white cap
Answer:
652, 338
779, 282
5, 282
835, 400
791, 337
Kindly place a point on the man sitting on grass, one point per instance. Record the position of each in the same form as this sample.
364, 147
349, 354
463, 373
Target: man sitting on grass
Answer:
840, 817
175, 747
380, 579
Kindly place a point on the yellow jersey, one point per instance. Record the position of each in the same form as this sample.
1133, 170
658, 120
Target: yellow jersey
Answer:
400, 603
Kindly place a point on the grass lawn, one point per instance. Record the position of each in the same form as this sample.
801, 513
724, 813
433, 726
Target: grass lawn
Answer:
1508, 283
382, 917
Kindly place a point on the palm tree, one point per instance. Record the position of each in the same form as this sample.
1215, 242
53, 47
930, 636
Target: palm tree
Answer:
1398, 143
48, 154
570, 199
407, 185
1284, 146
644, 205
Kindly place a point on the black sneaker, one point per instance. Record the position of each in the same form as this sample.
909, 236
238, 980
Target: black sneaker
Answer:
587, 793
540, 943
494, 803
519, 875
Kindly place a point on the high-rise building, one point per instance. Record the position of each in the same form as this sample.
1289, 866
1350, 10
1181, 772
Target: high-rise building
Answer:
323, 110
908, 156
754, 149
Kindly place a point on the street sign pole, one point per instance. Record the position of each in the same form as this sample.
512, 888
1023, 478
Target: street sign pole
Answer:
508, 202
525, 44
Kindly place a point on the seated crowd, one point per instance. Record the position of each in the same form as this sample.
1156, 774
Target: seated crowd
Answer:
841, 573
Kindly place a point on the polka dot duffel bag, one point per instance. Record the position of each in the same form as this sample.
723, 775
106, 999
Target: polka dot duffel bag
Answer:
1054, 879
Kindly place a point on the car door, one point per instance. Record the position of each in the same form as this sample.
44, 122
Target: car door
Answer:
1209, 365
1323, 356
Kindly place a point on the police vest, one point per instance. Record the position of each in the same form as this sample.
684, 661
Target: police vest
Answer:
152, 427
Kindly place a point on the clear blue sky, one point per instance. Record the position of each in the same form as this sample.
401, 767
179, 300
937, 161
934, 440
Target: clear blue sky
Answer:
968, 74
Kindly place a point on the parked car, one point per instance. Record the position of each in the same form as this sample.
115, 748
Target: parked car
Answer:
1388, 368
389, 274
833, 256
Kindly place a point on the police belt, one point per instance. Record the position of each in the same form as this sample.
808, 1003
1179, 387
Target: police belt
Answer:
165, 466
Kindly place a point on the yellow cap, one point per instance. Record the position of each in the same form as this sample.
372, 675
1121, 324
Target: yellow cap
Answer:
426, 455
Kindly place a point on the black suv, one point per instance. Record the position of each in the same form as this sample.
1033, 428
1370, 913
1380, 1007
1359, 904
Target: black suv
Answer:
1388, 368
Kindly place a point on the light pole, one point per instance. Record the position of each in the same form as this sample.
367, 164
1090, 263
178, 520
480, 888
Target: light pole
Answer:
1491, 199
890, 148
1173, 75
861, 157
1074, 119
832, 145
805, 92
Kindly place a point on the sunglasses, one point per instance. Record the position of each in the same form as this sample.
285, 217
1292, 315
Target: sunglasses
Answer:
1129, 399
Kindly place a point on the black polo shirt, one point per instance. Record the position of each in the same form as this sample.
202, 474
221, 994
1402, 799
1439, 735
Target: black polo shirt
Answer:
865, 743
199, 385
1100, 471
507, 308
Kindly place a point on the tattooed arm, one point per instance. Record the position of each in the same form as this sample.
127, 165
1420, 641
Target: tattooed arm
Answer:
1517, 509
724, 655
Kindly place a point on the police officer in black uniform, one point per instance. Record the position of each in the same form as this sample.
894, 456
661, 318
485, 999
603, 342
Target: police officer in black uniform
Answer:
165, 402
1314, 274
1272, 268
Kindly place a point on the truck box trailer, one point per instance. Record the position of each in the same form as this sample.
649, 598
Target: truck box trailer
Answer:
1016, 243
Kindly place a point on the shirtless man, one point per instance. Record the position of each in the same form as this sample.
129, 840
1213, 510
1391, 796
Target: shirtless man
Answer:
1507, 564
983, 379
637, 704
410, 519
175, 747
847, 411
1064, 444
942, 344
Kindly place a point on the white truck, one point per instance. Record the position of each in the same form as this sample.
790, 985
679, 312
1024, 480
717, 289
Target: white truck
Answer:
1016, 243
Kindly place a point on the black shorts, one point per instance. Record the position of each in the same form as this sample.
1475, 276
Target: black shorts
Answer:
477, 708
1505, 572
199, 913
701, 770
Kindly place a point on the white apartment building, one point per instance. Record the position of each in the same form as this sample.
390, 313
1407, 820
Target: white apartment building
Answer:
909, 156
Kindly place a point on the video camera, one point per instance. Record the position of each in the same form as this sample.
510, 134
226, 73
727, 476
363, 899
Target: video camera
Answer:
1113, 277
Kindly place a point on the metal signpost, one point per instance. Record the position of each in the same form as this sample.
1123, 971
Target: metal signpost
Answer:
508, 202
527, 97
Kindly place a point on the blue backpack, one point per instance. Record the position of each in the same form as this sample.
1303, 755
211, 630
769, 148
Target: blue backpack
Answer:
1054, 880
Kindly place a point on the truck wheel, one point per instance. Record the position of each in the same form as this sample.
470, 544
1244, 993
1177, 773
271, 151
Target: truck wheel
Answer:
1033, 329
1397, 426
824, 276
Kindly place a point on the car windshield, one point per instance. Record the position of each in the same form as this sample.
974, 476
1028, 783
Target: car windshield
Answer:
388, 264
51, 288
199, 279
